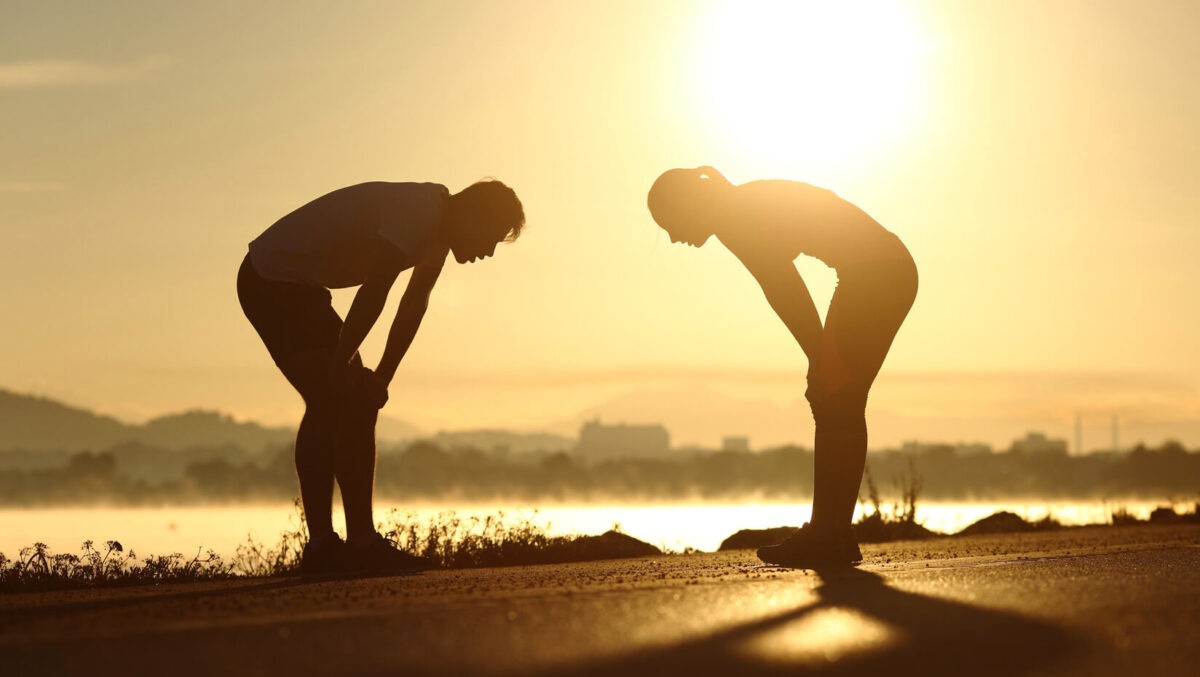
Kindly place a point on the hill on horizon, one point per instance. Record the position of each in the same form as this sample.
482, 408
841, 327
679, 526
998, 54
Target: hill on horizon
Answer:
32, 423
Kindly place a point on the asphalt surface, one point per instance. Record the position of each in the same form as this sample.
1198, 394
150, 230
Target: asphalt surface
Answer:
1103, 600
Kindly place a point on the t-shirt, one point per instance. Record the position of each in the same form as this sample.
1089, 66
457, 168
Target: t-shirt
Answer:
330, 241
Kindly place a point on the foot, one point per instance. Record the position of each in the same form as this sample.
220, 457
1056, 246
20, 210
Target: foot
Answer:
377, 556
324, 555
809, 549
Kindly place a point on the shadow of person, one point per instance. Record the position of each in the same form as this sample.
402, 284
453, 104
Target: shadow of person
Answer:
940, 636
859, 624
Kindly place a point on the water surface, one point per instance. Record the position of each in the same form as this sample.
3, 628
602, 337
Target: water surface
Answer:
674, 526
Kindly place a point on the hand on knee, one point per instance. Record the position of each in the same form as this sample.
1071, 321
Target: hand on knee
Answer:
359, 386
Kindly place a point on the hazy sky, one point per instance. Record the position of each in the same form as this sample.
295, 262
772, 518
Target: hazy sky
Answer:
1040, 159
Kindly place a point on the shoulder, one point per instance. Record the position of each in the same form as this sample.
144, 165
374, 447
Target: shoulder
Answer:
411, 214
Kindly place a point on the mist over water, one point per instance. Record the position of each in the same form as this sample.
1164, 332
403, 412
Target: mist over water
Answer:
673, 526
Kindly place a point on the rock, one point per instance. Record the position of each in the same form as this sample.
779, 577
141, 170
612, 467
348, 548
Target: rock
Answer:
1164, 515
757, 538
1002, 522
609, 545
874, 529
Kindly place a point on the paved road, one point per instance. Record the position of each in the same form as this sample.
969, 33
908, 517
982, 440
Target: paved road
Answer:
1080, 601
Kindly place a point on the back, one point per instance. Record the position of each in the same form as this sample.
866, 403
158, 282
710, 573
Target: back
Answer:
329, 242
806, 219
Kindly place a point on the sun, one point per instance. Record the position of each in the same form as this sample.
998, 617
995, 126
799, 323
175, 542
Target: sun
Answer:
807, 85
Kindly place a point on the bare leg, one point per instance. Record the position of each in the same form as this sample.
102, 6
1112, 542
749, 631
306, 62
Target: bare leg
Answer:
866, 311
316, 438
314, 467
354, 466
840, 451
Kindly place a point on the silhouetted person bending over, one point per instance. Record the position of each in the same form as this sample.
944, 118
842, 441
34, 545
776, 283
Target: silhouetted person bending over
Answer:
365, 236
767, 224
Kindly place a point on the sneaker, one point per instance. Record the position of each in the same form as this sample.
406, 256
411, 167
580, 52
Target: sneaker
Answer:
808, 549
377, 556
324, 556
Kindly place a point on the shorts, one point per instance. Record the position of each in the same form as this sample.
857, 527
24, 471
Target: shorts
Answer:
290, 318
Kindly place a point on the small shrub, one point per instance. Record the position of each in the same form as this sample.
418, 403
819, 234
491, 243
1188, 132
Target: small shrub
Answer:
895, 522
1122, 517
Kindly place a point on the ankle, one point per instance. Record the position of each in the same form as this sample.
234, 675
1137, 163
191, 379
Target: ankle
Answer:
322, 537
824, 530
360, 530
364, 539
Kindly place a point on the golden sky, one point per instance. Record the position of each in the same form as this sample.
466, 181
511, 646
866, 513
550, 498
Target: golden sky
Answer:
1040, 160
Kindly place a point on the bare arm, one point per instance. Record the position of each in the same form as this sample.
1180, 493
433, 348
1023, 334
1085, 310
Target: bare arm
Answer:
789, 298
368, 301
409, 314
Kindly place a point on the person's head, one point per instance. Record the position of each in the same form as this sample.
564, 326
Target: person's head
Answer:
481, 216
685, 203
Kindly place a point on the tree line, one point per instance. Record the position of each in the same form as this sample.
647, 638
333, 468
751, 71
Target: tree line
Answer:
427, 471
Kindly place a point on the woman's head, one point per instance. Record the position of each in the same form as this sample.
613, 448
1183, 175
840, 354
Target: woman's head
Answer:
684, 202
481, 216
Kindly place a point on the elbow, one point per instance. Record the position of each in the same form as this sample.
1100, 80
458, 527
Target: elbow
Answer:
415, 303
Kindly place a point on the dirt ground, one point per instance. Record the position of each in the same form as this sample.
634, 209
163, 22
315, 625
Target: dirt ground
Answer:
1100, 600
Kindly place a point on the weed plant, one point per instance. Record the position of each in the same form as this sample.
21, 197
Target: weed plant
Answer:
260, 560
37, 568
899, 520
446, 538
501, 540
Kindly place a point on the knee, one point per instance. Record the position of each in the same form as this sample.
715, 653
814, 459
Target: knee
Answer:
321, 407
355, 414
843, 409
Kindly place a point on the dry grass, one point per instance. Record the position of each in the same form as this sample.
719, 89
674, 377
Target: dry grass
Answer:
446, 538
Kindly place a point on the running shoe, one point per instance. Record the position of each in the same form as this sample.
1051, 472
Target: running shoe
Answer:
324, 556
809, 549
378, 557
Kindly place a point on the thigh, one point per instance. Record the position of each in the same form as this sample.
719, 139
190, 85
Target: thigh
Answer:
864, 315
298, 326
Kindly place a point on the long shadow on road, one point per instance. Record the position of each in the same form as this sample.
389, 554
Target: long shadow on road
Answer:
924, 635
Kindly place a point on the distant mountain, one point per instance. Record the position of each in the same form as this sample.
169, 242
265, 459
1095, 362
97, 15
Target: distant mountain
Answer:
35, 424
199, 428
31, 423
392, 430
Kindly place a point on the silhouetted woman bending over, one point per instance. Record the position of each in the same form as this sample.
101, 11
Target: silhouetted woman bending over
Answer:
767, 224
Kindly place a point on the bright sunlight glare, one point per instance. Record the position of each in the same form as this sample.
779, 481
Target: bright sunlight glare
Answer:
810, 86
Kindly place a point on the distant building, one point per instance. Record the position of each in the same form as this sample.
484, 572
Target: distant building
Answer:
973, 449
1038, 443
735, 443
602, 441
